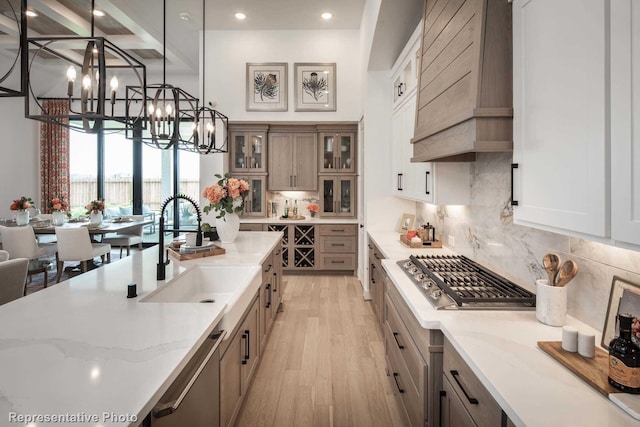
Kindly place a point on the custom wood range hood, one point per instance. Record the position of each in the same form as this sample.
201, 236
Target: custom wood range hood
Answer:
465, 102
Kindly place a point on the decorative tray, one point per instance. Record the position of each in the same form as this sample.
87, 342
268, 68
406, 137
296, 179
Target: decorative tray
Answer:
213, 250
423, 244
297, 217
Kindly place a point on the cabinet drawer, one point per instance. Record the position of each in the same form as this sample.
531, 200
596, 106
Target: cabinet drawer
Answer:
337, 262
337, 229
406, 347
475, 397
401, 382
338, 244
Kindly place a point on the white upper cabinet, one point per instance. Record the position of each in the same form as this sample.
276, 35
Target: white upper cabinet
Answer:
560, 83
625, 120
436, 183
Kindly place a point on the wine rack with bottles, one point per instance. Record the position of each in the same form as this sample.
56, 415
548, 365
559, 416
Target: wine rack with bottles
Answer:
285, 241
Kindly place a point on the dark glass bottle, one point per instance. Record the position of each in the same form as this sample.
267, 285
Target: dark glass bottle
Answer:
624, 358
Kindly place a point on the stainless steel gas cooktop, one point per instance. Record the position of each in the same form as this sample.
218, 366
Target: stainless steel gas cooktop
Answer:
456, 282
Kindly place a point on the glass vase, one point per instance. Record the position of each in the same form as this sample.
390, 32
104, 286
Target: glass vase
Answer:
22, 217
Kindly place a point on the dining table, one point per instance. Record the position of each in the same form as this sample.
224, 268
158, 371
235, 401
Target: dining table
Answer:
107, 226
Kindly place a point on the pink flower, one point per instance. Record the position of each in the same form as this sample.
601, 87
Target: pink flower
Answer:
214, 193
244, 186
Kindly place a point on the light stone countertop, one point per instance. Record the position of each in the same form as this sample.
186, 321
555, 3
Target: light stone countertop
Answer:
82, 348
307, 220
501, 348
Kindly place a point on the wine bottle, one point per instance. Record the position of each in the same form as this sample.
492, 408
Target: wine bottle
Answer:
295, 208
286, 209
624, 358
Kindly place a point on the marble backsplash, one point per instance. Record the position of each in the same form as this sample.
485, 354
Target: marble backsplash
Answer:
485, 232
304, 198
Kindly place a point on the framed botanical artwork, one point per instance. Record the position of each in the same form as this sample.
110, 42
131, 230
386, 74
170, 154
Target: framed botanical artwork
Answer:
623, 298
315, 87
267, 86
406, 223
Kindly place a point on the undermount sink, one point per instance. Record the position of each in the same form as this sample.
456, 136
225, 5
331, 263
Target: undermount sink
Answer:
205, 284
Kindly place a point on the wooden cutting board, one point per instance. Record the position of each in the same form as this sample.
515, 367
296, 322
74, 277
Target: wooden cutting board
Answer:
594, 371
215, 250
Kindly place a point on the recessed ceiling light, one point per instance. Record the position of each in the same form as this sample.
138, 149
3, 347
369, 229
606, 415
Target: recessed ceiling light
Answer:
326, 15
185, 16
97, 12
240, 16
31, 13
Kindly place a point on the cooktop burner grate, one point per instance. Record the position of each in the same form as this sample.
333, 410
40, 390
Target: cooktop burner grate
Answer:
467, 282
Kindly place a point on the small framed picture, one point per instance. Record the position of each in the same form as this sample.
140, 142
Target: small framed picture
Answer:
623, 298
315, 87
406, 223
267, 86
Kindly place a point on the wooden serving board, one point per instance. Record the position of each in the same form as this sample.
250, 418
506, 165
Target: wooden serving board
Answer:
594, 371
215, 250
295, 218
407, 242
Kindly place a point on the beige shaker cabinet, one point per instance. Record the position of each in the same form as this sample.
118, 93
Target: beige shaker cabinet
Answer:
337, 152
337, 196
293, 161
238, 364
247, 149
256, 200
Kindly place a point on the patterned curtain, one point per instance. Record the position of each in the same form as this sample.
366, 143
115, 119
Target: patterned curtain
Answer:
54, 155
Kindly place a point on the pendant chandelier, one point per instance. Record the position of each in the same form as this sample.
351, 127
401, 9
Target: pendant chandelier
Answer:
164, 109
11, 83
94, 105
206, 122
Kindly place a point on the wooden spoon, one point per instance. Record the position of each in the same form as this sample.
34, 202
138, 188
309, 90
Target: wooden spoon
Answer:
551, 263
567, 272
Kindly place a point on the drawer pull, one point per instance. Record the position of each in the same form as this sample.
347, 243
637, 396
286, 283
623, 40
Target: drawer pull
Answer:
376, 256
268, 268
337, 244
395, 378
337, 262
471, 400
370, 247
338, 230
395, 336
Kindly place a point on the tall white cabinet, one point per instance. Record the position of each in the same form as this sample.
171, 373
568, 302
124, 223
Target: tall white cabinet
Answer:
625, 120
436, 183
560, 129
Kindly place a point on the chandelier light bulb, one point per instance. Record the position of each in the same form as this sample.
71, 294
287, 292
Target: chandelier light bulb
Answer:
210, 127
71, 73
158, 113
114, 83
151, 109
169, 109
86, 82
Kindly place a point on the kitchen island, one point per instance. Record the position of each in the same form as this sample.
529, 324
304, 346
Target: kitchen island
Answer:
84, 353
501, 349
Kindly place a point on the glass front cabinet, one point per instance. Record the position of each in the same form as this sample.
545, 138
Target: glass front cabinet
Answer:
338, 196
255, 202
337, 153
248, 151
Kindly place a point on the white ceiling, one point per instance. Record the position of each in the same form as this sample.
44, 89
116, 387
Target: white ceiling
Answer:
138, 24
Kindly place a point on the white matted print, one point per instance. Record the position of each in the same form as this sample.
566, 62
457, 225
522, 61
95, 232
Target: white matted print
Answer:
267, 86
315, 87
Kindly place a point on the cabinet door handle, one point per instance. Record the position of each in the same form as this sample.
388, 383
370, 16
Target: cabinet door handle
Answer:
295, 180
245, 337
395, 378
426, 182
513, 166
395, 337
275, 280
471, 400
268, 296
248, 332
399, 182
334, 162
268, 268
400, 92
376, 256
370, 247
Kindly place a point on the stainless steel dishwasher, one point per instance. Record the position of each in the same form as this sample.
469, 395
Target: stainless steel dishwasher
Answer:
194, 397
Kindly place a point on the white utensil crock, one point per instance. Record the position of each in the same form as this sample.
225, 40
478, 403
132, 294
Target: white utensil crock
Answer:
551, 303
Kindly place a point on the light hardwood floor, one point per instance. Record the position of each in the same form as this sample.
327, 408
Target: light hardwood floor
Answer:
324, 361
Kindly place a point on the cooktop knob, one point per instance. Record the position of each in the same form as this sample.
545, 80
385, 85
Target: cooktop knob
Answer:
436, 294
408, 264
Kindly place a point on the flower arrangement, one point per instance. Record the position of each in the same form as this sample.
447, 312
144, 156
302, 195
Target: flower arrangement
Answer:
226, 196
21, 204
57, 204
95, 206
312, 207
